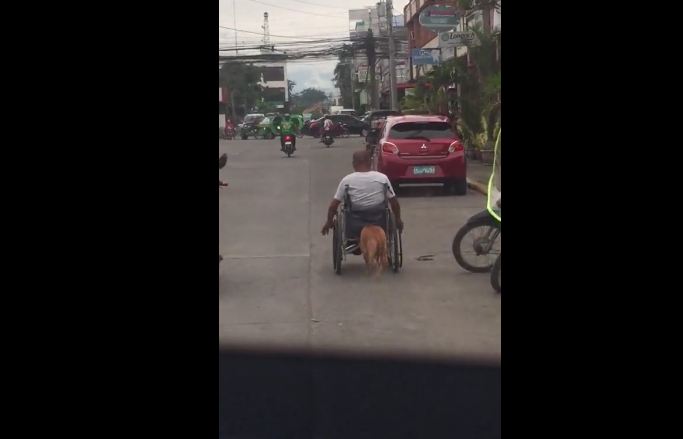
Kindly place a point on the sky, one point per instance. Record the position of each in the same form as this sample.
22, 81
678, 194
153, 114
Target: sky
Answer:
299, 18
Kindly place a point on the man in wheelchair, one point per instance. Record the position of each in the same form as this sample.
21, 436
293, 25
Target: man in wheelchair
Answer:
366, 192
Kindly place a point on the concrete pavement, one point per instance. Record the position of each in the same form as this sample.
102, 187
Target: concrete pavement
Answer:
277, 286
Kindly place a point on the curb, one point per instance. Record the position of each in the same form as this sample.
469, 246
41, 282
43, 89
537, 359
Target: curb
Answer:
479, 187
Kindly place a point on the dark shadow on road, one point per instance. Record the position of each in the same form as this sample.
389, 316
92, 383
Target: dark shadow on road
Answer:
422, 191
294, 395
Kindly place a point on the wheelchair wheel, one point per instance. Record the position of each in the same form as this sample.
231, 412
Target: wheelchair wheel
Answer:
337, 244
336, 250
394, 244
399, 248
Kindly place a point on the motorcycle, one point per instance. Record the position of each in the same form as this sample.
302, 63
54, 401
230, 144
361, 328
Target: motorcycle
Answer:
229, 132
495, 275
371, 140
249, 129
479, 239
327, 139
480, 236
288, 146
343, 131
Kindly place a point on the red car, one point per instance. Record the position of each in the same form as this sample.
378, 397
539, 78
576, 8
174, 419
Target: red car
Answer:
422, 149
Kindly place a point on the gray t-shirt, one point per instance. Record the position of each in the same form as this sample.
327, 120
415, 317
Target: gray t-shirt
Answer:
366, 189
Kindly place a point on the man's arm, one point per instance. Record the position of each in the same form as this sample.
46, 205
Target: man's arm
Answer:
331, 212
396, 208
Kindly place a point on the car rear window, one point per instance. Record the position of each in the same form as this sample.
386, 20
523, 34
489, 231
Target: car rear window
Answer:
253, 119
429, 130
385, 114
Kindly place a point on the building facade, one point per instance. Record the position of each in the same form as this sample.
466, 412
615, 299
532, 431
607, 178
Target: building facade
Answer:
422, 38
374, 18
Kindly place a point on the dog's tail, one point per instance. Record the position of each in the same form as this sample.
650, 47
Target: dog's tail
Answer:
373, 250
378, 261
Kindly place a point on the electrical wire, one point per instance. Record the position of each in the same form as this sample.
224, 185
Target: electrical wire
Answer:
319, 5
273, 35
298, 11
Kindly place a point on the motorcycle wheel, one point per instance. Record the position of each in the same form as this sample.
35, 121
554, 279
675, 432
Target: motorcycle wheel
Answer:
478, 230
495, 275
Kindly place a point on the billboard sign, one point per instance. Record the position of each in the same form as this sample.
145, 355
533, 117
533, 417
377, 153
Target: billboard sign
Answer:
458, 39
439, 17
421, 57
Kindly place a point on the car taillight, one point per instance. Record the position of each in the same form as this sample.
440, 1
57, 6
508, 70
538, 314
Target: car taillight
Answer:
455, 146
390, 148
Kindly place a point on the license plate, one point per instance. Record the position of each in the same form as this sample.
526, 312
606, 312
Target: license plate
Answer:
418, 170
288, 143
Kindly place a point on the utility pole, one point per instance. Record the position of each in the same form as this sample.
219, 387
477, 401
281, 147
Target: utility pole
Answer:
234, 24
392, 57
370, 50
351, 74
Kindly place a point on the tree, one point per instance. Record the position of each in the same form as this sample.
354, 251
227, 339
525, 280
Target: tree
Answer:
309, 97
242, 81
479, 81
342, 75
342, 80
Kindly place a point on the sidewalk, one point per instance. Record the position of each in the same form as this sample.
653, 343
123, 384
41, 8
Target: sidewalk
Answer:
478, 175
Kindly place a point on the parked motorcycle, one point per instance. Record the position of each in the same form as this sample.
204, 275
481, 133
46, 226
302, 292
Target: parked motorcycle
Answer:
343, 131
248, 130
371, 139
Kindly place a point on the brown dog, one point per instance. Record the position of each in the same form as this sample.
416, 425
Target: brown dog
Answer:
373, 245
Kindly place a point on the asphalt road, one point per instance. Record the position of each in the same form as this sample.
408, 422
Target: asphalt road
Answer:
277, 286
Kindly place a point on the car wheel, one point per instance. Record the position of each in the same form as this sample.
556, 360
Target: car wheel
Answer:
457, 187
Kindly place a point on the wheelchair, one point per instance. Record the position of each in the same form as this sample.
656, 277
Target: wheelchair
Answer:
347, 227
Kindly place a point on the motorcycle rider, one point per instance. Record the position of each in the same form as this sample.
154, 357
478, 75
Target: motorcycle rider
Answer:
229, 130
327, 128
286, 126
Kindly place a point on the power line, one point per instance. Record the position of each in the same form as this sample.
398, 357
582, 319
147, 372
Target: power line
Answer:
280, 36
298, 11
319, 5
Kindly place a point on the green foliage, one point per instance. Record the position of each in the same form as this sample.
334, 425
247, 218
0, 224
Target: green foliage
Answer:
308, 97
480, 85
243, 81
